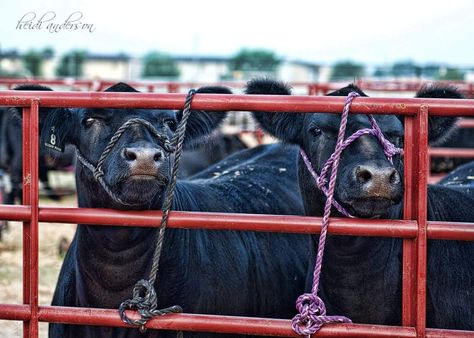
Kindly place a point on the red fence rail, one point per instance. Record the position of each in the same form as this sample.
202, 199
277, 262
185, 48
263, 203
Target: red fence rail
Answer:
312, 88
414, 229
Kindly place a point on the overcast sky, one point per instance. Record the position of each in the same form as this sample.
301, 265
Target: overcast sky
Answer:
369, 31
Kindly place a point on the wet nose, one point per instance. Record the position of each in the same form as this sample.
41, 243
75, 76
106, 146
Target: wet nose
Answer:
377, 181
143, 156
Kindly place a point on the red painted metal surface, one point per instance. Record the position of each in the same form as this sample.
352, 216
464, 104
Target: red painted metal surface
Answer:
409, 246
421, 140
220, 102
452, 152
218, 221
415, 230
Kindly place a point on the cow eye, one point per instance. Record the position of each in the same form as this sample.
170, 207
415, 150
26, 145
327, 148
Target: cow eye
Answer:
89, 121
315, 131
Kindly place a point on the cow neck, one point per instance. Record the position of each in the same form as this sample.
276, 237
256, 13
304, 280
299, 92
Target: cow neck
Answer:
114, 258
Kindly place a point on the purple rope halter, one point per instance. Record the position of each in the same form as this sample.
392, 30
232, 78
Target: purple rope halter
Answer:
312, 311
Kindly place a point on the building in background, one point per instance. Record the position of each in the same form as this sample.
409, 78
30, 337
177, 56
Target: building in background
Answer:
191, 68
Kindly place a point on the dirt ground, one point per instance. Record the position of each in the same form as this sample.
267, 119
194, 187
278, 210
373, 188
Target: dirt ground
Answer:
49, 265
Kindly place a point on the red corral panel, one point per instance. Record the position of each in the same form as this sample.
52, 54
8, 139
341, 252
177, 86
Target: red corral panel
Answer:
414, 229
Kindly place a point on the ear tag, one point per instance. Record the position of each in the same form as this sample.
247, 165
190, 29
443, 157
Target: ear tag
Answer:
53, 141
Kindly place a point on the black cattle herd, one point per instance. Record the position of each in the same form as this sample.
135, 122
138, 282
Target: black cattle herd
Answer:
254, 274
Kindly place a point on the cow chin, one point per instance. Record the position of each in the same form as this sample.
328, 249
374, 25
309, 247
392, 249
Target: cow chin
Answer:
369, 207
143, 190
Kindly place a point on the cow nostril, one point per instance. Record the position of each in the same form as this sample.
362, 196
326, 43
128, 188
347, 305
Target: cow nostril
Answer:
157, 157
363, 176
129, 155
394, 178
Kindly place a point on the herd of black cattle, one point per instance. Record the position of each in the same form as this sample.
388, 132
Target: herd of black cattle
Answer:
248, 273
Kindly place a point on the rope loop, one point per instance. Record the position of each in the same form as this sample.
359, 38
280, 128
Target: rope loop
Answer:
144, 301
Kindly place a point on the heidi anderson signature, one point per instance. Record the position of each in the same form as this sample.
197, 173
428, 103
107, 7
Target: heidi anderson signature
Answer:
31, 21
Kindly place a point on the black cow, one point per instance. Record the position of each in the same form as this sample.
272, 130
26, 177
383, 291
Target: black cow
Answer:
361, 276
215, 149
11, 153
461, 178
459, 138
220, 272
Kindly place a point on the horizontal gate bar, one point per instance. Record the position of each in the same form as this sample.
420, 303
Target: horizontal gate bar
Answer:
451, 152
221, 221
219, 102
221, 324
15, 311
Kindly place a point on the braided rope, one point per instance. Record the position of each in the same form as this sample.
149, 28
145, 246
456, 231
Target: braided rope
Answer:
146, 305
312, 311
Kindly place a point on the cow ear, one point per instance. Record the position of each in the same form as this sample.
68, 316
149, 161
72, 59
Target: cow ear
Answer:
439, 127
121, 87
287, 127
345, 91
201, 123
17, 111
58, 129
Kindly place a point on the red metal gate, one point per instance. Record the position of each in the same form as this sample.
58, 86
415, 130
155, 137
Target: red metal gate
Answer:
414, 229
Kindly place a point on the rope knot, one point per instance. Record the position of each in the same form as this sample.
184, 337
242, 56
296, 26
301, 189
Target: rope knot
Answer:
312, 315
144, 301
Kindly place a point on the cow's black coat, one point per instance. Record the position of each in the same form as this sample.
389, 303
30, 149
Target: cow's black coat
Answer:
215, 149
219, 272
11, 151
361, 277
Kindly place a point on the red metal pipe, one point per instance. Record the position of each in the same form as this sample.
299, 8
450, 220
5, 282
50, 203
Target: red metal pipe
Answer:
219, 324
452, 152
409, 245
28, 329
465, 123
15, 212
421, 188
34, 201
222, 221
244, 222
15, 312
277, 327
450, 231
219, 102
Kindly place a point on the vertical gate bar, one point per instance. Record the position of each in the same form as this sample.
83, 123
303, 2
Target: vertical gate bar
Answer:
421, 216
30, 229
26, 225
409, 245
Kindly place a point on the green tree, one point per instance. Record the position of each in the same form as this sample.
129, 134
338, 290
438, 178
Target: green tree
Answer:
347, 70
71, 64
47, 52
452, 74
159, 64
32, 62
248, 60
406, 68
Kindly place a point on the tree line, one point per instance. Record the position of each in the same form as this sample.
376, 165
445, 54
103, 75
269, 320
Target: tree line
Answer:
245, 62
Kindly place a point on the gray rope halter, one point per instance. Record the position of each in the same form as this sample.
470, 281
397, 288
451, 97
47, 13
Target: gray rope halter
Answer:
312, 311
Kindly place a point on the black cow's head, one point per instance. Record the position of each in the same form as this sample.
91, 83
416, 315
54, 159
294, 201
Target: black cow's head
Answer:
367, 183
138, 168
